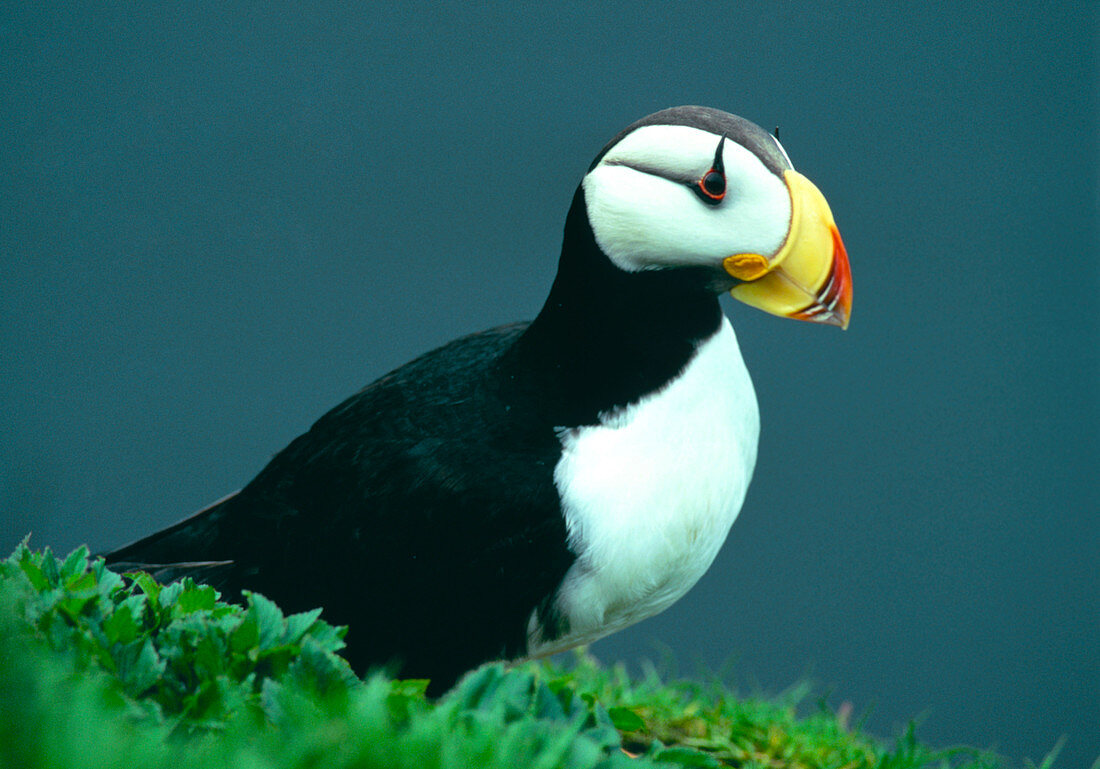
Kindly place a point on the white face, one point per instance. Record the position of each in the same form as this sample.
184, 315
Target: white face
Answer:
645, 214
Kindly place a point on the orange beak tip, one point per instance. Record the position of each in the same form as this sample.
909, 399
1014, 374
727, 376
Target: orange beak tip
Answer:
833, 303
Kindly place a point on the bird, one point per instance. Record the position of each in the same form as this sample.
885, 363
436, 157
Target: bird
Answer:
537, 486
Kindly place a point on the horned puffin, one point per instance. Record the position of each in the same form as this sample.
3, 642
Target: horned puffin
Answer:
539, 485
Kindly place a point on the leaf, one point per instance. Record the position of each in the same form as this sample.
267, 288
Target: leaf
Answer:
106, 580
269, 620
139, 666
75, 564
514, 694
49, 567
477, 687
74, 605
244, 636
83, 581
329, 637
276, 659
322, 670
626, 720
210, 652
271, 700
120, 626
547, 705
31, 568
146, 584
169, 594
298, 624
194, 598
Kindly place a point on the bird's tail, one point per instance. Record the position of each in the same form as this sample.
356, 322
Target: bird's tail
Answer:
188, 548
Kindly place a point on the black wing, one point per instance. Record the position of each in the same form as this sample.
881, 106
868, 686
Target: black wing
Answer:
421, 512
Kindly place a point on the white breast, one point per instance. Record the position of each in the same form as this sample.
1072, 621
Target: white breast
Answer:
650, 493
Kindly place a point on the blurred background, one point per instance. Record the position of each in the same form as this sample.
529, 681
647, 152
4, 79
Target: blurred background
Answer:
219, 220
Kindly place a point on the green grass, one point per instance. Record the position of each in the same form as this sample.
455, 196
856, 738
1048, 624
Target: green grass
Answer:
99, 670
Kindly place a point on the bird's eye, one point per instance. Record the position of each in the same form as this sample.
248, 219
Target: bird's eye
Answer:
712, 187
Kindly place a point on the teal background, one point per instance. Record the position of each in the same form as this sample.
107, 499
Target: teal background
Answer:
218, 220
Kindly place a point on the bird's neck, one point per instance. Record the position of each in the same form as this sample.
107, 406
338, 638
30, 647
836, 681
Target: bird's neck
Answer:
605, 337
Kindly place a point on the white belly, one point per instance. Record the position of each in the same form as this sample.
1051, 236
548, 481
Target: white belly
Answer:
650, 493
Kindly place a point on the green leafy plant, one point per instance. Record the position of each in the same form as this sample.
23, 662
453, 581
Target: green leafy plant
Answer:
174, 650
100, 669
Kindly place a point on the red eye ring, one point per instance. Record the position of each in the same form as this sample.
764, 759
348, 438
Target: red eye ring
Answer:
713, 185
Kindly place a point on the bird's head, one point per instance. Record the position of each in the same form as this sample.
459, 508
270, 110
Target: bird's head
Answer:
700, 188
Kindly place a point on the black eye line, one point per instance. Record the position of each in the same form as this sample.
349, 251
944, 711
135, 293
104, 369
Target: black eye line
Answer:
718, 164
652, 171
696, 185
716, 167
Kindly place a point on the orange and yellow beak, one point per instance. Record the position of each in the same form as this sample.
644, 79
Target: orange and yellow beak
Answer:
808, 278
